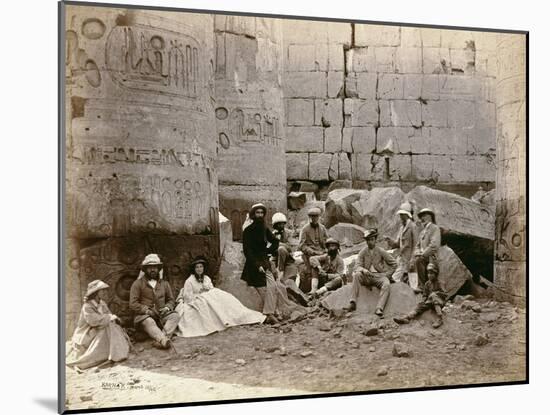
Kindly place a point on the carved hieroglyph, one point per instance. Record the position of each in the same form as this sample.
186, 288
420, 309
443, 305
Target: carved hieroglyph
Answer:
511, 237
249, 116
140, 143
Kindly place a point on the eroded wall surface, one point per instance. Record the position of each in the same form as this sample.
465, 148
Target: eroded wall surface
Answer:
140, 145
249, 116
511, 186
389, 104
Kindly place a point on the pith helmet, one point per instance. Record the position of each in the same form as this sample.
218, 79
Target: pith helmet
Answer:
427, 211
278, 218
405, 209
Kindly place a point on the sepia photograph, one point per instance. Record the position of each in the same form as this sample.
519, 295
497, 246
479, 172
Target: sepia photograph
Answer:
269, 207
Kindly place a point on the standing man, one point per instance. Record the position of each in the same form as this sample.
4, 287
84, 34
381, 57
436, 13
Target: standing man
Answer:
152, 302
374, 267
312, 242
427, 247
327, 269
405, 243
257, 268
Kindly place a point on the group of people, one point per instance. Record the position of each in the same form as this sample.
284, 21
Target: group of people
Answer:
200, 308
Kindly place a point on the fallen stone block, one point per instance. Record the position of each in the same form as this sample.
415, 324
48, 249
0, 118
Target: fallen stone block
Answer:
297, 200
466, 226
401, 300
453, 274
338, 206
347, 234
304, 186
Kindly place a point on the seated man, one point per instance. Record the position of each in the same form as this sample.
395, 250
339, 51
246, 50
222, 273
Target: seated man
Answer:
433, 297
374, 267
284, 250
312, 242
327, 269
152, 302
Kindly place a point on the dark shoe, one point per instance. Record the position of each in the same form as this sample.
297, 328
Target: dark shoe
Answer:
351, 307
379, 312
270, 319
437, 323
401, 320
157, 345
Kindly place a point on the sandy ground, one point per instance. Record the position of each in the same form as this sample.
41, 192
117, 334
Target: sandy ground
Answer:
319, 354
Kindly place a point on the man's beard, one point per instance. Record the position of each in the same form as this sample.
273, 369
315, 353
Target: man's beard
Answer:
332, 252
152, 276
314, 224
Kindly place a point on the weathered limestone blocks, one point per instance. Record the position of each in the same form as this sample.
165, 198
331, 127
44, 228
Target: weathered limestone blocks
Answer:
249, 115
511, 234
420, 88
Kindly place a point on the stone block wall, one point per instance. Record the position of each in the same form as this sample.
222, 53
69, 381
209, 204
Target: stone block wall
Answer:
389, 104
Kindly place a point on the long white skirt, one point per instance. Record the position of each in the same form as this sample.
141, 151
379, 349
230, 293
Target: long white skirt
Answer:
214, 310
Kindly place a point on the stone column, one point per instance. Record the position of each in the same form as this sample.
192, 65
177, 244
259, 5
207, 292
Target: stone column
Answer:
249, 116
140, 143
511, 238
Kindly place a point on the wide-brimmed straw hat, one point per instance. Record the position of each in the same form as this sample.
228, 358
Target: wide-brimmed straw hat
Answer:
151, 259
95, 286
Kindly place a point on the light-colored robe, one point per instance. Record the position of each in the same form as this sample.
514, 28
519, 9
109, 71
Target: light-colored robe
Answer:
204, 309
96, 338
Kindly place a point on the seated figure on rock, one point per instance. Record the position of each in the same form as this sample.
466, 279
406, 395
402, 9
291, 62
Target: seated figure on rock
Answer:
433, 297
427, 246
204, 309
98, 338
327, 269
374, 266
312, 242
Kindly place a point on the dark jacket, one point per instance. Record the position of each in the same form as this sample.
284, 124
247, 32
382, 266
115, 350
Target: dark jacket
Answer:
433, 293
143, 298
256, 238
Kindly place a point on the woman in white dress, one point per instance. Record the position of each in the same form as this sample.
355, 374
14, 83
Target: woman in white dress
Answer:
204, 309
